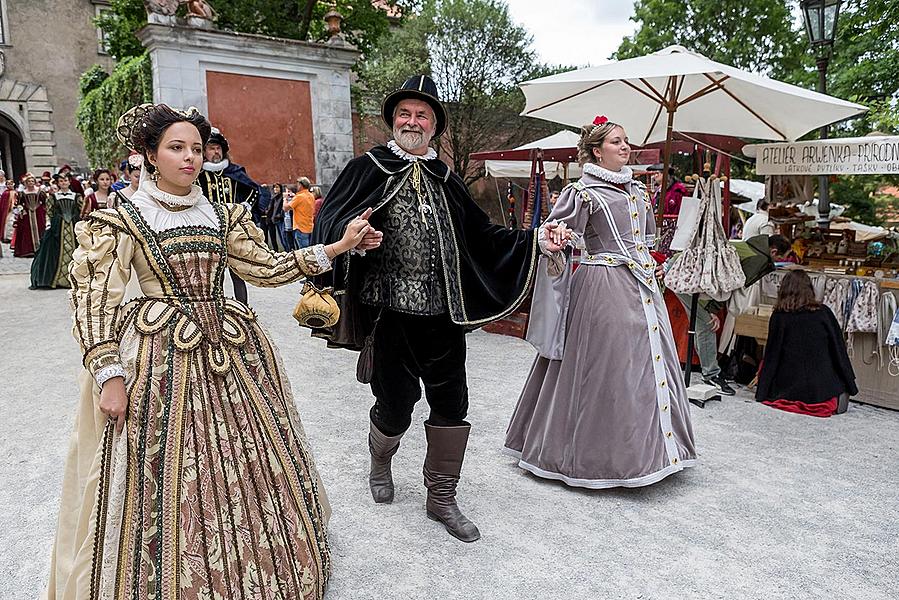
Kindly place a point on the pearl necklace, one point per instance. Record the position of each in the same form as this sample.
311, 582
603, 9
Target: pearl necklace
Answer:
625, 175
431, 154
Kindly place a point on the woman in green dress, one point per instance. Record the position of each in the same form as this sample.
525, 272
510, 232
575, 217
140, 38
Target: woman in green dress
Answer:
50, 268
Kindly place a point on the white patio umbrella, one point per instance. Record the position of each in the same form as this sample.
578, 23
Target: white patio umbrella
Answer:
644, 94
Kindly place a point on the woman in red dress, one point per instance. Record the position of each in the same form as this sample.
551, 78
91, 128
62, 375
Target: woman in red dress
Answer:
7, 201
32, 221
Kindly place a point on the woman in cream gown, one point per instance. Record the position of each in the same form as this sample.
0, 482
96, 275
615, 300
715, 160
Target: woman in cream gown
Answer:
210, 491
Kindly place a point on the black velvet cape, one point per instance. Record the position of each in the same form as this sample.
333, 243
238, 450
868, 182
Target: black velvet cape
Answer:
805, 359
496, 265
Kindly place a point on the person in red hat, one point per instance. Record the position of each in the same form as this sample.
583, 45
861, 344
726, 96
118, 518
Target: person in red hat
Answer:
434, 269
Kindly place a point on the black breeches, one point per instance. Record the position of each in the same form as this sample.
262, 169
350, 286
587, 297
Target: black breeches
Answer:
410, 350
240, 287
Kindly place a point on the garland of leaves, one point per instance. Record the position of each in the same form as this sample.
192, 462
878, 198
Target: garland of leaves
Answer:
131, 83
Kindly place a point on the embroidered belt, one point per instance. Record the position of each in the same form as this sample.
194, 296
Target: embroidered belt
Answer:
224, 325
643, 273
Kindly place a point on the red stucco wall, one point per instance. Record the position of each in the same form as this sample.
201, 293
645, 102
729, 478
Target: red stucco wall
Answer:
268, 124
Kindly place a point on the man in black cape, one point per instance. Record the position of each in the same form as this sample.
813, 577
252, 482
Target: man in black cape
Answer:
226, 182
433, 269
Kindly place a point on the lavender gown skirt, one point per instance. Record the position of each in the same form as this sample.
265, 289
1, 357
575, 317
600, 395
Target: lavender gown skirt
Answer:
613, 411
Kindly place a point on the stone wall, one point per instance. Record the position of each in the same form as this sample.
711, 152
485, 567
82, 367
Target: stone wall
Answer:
184, 57
49, 43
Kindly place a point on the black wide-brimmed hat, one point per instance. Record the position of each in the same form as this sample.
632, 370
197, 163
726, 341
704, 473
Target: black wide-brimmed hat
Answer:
419, 87
217, 137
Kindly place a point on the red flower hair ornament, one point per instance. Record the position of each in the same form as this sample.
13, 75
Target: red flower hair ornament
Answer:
600, 120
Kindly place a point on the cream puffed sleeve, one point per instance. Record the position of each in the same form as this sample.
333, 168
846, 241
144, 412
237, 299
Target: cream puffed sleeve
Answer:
253, 261
99, 272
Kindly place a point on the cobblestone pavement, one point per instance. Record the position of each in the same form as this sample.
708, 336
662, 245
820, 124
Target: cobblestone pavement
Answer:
10, 265
780, 506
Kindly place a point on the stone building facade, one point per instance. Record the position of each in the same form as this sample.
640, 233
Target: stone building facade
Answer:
45, 46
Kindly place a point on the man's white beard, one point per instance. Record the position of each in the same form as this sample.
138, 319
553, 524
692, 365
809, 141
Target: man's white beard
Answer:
410, 141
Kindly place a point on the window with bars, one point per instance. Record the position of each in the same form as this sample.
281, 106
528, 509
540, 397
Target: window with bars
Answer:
2, 22
102, 42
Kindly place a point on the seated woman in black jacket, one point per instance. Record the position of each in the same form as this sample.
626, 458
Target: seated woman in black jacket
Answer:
806, 369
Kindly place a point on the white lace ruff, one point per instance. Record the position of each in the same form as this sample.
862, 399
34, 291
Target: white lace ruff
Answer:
623, 176
431, 154
149, 187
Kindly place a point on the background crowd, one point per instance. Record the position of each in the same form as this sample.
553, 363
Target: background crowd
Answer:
285, 212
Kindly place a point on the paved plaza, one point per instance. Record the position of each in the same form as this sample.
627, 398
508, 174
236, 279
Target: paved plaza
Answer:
780, 505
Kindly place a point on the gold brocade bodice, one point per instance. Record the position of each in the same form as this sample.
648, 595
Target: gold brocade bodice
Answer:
190, 263
180, 270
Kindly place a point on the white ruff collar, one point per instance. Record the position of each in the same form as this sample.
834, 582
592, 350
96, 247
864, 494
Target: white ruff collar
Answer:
171, 200
216, 167
431, 154
622, 176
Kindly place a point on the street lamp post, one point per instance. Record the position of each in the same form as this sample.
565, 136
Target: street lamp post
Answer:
820, 18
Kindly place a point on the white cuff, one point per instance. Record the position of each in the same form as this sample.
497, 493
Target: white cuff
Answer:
108, 372
322, 257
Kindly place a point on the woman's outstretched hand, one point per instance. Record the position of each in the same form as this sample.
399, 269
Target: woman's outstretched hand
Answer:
354, 235
557, 236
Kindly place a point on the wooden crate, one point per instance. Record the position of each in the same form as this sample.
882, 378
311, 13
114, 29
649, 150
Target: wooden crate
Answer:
755, 326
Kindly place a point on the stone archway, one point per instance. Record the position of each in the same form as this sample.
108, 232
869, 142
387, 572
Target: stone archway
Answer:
25, 113
12, 148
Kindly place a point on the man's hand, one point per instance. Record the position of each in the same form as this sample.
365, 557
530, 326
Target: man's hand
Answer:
371, 240
714, 322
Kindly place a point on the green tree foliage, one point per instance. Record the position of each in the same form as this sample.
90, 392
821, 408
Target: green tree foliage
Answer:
364, 23
130, 84
476, 55
119, 23
92, 79
756, 35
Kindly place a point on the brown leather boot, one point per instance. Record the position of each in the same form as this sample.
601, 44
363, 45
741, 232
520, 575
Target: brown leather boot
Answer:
382, 448
443, 465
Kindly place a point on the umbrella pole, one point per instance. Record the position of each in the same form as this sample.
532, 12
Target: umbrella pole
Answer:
691, 337
666, 159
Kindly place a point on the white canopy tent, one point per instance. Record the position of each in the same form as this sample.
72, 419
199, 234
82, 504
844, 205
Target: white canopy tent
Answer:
521, 168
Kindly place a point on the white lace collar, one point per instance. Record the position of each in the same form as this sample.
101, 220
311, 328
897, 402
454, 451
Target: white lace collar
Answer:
625, 175
171, 200
216, 167
431, 154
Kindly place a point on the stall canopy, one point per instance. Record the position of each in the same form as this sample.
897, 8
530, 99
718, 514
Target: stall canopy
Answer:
522, 168
751, 190
871, 155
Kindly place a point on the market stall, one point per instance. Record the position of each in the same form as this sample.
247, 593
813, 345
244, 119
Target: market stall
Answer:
854, 267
